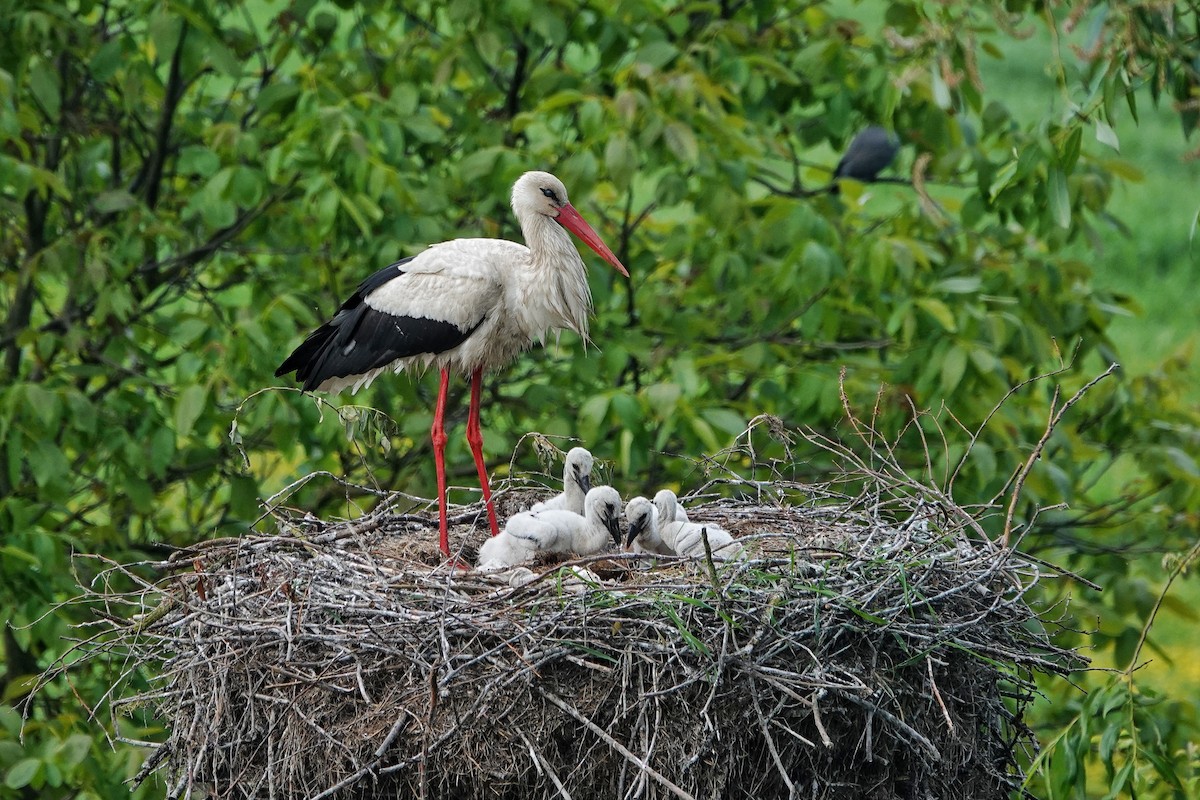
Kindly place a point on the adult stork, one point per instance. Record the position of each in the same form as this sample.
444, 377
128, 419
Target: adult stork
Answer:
467, 305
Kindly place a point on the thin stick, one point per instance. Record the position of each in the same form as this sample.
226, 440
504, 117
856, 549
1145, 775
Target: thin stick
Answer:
540, 761
938, 695
1027, 467
766, 732
614, 744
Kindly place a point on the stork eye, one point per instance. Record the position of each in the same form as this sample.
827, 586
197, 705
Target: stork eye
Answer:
550, 193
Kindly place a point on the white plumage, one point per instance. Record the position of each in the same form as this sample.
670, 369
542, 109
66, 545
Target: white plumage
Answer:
577, 481
556, 531
643, 534
687, 539
467, 305
669, 509
676, 537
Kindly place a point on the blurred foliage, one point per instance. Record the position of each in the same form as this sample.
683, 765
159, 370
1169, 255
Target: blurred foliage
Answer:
186, 188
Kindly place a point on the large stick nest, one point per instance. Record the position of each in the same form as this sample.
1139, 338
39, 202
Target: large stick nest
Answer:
874, 645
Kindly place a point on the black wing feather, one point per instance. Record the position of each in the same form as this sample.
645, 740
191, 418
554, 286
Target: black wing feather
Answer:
359, 338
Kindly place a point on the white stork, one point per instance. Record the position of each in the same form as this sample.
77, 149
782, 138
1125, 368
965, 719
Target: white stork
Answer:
466, 305
577, 481
556, 531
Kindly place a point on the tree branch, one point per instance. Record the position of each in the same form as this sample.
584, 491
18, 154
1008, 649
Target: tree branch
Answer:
149, 178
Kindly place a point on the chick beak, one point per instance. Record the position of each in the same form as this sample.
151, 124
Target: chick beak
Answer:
635, 527
584, 481
614, 528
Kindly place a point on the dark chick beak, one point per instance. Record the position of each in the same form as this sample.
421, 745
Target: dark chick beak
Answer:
584, 481
614, 528
635, 527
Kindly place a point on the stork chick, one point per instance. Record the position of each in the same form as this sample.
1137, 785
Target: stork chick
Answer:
577, 481
668, 507
644, 534
556, 531
687, 539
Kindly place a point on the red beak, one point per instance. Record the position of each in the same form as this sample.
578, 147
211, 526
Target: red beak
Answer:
569, 218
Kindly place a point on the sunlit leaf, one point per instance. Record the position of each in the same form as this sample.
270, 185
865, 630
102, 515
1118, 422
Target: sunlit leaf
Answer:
1106, 135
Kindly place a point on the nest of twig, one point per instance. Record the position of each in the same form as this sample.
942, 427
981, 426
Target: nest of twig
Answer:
872, 645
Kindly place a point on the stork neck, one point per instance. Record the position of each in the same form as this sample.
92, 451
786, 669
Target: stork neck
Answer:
556, 289
549, 243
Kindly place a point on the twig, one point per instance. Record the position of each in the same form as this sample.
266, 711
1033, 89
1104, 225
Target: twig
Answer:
938, 695
1027, 467
615, 745
544, 766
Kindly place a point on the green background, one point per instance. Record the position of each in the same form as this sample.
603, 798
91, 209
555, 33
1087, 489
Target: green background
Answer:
187, 188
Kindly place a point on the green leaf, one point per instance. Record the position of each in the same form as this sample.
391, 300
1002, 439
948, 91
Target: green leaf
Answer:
116, 200
48, 463
549, 25
23, 555
44, 404
564, 99
243, 497
1106, 135
188, 409
663, 397
277, 95
706, 434
75, 749
968, 284
689, 637
941, 92
197, 160
657, 54
593, 412
817, 262
1059, 198
722, 418
43, 82
223, 58
954, 366
23, 773
10, 720
681, 142
1069, 153
940, 312
107, 59
246, 186
626, 410
1117, 787
162, 450
480, 164
1184, 462
620, 159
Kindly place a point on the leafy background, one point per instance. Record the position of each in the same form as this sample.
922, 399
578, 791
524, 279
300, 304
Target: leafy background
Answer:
187, 187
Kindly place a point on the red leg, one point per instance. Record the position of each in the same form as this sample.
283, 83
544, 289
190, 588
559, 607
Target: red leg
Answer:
438, 434
475, 439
